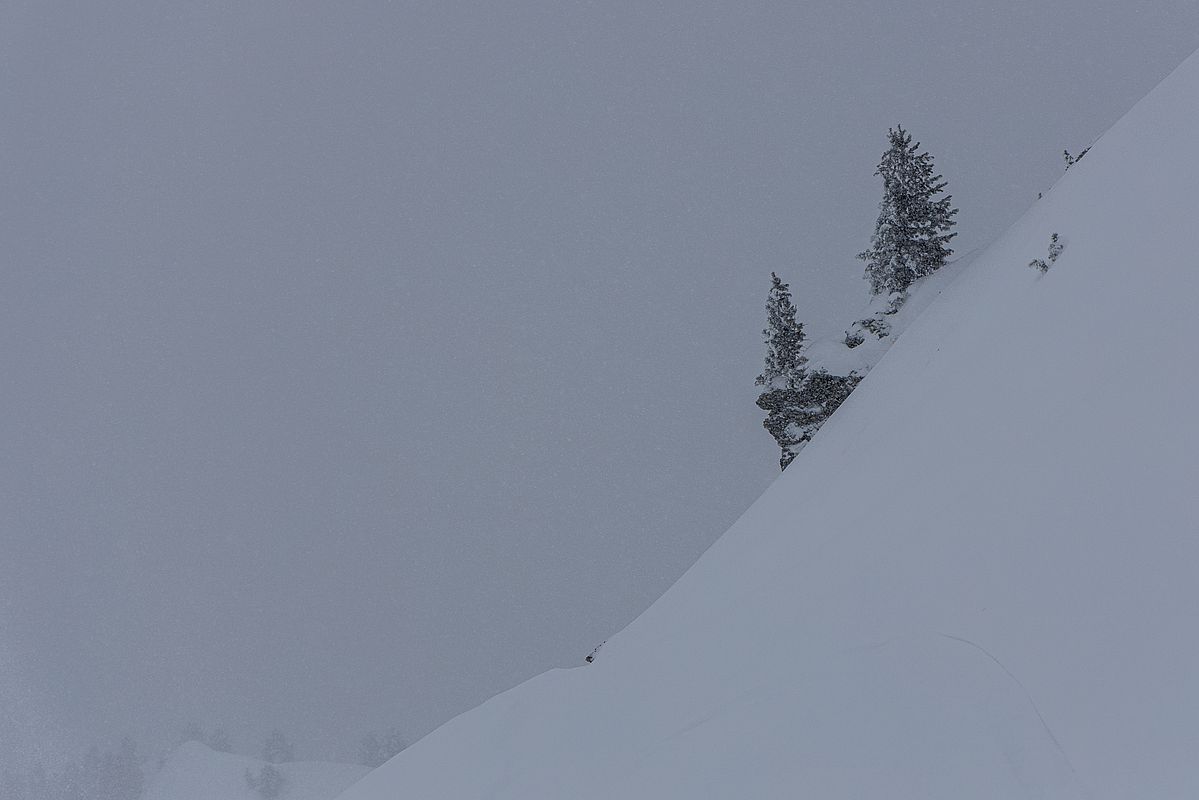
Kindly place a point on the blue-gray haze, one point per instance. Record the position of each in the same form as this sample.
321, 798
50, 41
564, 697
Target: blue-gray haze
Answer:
361, 360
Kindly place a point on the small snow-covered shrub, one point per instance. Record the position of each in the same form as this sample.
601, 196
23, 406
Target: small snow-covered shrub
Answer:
1055, 250
1072, 160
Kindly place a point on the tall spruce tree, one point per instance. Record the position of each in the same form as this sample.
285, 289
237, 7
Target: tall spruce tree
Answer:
911, 237
784, 371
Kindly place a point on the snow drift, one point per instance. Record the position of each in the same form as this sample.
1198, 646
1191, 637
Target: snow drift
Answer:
979, 580
194, 772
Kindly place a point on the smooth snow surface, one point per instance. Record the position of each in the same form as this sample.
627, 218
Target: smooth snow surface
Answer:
979, 580
195, 772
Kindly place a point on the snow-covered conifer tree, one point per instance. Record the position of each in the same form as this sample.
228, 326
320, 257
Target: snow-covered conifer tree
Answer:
911, 237
784, 339
784, 371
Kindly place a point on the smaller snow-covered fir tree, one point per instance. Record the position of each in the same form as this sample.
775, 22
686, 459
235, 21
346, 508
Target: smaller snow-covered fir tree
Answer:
798, 398
784, 368
911, 236
784, 371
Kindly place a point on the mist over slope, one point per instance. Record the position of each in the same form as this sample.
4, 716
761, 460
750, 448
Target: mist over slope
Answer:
978, 580
195, 772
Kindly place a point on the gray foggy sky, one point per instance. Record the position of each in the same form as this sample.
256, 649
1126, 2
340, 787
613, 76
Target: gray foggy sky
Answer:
364, 359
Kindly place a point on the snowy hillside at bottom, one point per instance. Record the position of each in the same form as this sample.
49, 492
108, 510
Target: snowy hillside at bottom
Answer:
979, 580
194, 772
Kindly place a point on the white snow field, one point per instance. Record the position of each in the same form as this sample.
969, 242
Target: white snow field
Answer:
980, 580
194, 772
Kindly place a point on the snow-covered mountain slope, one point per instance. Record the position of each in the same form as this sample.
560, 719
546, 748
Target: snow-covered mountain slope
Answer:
832, 353
979, 580
194, 772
